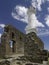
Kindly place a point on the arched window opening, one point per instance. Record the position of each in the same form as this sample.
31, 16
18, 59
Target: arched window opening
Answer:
12, 45
13, 35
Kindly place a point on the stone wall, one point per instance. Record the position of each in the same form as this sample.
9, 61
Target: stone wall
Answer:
15, 42
34, 48
12, 41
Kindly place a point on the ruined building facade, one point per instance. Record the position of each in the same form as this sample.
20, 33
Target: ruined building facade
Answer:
15, 42
12, 41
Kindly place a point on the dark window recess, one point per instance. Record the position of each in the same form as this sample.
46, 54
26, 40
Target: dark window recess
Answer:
20, 38
12, 35
45, 53
46, 59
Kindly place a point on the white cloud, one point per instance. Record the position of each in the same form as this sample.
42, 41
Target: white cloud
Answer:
2, 25
37, 23
37, 4
20, 14
47, 20
33, 22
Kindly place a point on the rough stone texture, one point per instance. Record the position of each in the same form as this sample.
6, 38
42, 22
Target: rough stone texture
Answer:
15, 42
33, 47
12, 35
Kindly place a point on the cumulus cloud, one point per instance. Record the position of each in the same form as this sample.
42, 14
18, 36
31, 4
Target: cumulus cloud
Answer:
21, 15
33, 22
2, 25
47, 20
37, 4
37, 23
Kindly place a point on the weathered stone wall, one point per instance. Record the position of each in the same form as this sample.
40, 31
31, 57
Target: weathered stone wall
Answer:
12, 36
33, 43
15, 42
33, 48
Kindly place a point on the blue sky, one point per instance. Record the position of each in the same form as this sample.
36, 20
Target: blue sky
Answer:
11, 12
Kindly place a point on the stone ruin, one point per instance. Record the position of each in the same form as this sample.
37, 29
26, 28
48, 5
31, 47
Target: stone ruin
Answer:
28, 47
11, 41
